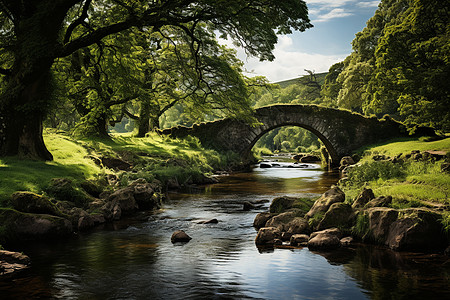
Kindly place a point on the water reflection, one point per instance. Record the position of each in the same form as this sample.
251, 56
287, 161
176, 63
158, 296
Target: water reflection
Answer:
134, 258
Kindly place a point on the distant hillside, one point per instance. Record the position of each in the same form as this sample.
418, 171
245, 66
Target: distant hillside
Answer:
320, 77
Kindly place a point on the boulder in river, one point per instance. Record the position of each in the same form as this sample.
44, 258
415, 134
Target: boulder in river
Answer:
347, 241
324, 241
299, 240
26, 226
267, 236
248, 206
322, 204
282, 220
211, 221
125, 199
298, 225
261, 219
375, 223
339, 214
281, 204
265, 165
309, 158
333, 231
180, 236
416, 229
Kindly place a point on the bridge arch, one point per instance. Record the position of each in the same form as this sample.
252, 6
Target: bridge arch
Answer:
328, 145
341, 131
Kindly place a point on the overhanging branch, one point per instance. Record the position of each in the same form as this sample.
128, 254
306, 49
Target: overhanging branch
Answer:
78, 21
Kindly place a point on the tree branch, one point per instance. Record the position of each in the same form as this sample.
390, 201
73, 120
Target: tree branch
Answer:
78, 21
130, 115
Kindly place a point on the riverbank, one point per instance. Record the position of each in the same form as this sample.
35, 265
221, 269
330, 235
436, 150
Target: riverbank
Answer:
93, 181
396, 195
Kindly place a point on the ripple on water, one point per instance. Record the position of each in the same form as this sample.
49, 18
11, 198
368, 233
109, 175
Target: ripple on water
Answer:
221, 261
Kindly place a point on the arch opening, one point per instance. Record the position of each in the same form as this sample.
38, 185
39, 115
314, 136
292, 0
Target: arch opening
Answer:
292, 132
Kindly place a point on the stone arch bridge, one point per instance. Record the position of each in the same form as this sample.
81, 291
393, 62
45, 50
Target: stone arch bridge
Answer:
341, 131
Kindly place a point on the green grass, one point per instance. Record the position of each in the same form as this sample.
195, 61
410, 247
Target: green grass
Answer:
152, 157
406, 145
411, 184
27, 175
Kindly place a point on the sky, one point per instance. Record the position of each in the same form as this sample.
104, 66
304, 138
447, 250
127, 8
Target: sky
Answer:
335, 24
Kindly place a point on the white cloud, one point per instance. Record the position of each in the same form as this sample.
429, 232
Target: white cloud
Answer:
325, 10
288, 63
368, 4
335, 13
329, 3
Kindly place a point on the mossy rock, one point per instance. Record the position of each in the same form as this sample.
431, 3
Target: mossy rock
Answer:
281, 221
29, 202
303, 205
92, 188
281, 204
18, 226
321, 205
65, 190
339, 215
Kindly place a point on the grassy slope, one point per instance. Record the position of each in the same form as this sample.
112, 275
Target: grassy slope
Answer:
418, 183
69, 161
154, 157
302, 80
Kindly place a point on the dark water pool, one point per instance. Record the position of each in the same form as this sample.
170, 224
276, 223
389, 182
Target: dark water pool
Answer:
134, 258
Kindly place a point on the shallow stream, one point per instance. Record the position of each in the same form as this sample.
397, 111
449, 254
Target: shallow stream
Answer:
134, 258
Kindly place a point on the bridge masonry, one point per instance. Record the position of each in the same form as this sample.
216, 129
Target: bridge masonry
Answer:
341, 131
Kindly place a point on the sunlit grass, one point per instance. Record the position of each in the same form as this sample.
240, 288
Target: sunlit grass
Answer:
70, 161
410, 184
154, 156
406, 145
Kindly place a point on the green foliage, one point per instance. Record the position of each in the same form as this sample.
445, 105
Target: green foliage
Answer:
297, 138
399, 65
315, 219
353, 80
376, 170
411, 184
361, 227
304, 204
109, 53
446, 222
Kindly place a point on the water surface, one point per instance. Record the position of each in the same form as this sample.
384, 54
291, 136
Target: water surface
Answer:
134, 258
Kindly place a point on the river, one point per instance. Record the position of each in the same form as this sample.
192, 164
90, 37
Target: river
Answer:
135, 259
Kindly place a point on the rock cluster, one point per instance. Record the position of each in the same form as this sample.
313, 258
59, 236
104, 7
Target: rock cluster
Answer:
305, 158
332, 223
12, 263
73, 208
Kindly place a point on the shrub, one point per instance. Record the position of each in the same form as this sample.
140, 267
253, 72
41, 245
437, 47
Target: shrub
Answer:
373, 171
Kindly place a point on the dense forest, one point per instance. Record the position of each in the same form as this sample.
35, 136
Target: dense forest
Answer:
118, 66
82, 65
399, 67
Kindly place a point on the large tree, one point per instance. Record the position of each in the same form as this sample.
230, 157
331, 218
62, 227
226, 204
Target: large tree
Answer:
35, 33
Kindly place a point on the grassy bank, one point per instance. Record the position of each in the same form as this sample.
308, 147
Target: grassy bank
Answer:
152, 157
410, 182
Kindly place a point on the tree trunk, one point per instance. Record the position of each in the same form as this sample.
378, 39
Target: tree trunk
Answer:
25, 99
102, 126
144, 119
23, 107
